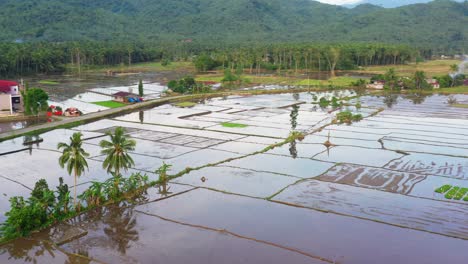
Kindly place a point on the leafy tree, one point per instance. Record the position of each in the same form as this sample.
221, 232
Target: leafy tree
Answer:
454, 68
35, 100
74, 158
116, 151
204, 63
420, 80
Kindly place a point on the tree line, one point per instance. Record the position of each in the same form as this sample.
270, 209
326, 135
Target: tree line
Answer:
30, 58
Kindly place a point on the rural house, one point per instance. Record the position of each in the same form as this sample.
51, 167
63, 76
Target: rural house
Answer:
125, 97
10, 97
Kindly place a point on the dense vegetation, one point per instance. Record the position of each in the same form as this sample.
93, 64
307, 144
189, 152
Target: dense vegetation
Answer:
17, 59
45, 206
440, 24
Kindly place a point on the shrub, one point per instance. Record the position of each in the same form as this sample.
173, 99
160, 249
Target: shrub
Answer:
23, 217
323, 102
347, 117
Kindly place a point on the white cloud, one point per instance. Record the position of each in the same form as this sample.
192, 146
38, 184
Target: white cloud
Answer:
339, 2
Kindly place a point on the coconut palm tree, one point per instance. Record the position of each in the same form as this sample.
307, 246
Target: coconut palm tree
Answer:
74, 157
419, 79
116, 151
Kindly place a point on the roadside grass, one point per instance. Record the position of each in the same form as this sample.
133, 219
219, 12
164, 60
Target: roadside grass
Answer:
48, 82
185, 104
110, 104
233, 125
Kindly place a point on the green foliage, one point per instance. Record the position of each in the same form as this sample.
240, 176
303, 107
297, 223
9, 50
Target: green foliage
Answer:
230, 77
74, 158
24, 216
31, 214
114, 189
334, 102
140, 88
117, 151
165, 62
348, 117
443, 189
450, 194
185, 104
442, 24
453, 192
204, 63
110, 104
162, 172
323, 102
361, 83
187, 85
35, 100
445, 81
233, 125
44, 207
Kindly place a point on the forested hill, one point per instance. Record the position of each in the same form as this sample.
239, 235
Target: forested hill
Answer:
439, 24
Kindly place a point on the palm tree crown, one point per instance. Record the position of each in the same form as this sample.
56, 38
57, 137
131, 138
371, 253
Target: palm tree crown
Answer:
116, 151
73, 157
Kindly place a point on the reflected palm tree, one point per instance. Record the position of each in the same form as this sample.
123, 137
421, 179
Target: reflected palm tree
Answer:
417, 98
294, 114
120, 228
164, 189
27, 250
293, 149
390, 100
141, 116
296, 96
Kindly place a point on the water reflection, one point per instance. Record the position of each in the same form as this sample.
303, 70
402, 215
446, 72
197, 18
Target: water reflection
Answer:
417, 98
141, 116
294, 114
390, 99
121, 228
296, 96
25, 250
164, 189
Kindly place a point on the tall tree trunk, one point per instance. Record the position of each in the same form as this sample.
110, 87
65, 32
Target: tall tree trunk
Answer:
74, 191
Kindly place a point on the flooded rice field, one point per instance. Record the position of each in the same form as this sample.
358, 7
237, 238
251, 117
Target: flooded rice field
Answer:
368, 197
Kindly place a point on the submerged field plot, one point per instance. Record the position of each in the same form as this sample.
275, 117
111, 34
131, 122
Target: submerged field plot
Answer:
358, 193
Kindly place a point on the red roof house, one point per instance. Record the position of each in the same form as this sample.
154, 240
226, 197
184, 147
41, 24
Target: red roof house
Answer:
8, 87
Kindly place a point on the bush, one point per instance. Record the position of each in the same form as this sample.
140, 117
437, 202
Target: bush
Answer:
28, 215
347, 117
165, 62
23, 217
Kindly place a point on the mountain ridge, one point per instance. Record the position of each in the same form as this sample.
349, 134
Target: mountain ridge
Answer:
437, 24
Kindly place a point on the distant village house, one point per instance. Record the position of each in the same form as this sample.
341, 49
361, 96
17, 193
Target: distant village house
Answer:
433, 83
378, 85
10, 97
125, 97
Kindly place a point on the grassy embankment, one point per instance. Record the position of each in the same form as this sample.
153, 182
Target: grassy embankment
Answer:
432, 68
110, 104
